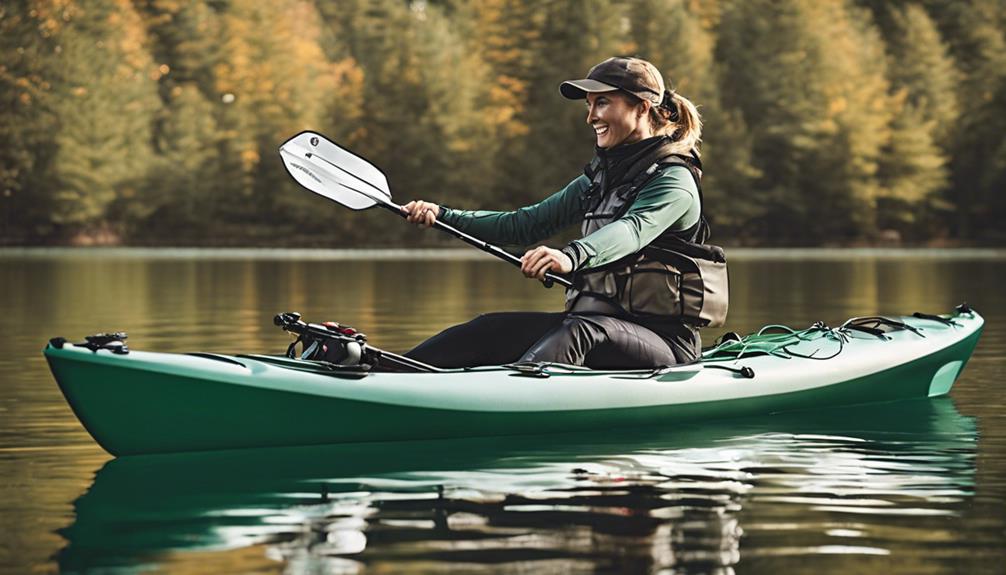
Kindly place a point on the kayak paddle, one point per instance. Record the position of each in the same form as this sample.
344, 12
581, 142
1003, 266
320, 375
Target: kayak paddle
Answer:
329, 170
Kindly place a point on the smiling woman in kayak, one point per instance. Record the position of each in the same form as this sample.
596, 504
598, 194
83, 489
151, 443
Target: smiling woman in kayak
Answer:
641, 187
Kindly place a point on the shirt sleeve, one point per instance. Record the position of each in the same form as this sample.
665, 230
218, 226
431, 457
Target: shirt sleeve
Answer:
670, 201
524, 226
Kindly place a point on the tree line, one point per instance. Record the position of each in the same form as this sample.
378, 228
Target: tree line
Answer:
156, 122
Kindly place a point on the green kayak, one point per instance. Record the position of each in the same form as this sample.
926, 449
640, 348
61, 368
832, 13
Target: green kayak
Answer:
135, 402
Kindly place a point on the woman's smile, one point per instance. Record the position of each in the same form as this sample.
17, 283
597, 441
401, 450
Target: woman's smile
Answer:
615, 119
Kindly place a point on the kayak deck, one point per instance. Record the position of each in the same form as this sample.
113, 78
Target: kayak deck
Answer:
145, 402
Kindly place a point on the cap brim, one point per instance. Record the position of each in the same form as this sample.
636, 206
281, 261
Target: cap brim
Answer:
578, 89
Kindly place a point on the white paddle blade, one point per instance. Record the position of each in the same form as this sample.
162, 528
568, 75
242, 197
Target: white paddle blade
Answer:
306, 172
351, 171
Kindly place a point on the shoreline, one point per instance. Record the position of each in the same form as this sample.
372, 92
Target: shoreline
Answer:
399, 254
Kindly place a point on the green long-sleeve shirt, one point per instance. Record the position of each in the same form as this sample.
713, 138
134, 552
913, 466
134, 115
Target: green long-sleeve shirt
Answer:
669, 201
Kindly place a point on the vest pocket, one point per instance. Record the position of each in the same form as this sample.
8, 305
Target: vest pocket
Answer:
602, 284
653, 288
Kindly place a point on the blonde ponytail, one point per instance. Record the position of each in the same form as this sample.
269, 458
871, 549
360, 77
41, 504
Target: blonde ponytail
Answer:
677, 117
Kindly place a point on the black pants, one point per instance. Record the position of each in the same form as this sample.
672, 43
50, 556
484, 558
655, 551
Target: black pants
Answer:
595, 340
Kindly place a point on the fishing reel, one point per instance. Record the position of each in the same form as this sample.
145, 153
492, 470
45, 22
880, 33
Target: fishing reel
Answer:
114, 342
328, 341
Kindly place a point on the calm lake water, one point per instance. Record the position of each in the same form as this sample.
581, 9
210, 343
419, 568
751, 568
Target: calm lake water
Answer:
910, 487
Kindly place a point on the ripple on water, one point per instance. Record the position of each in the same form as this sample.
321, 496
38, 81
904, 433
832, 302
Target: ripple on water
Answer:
917, 490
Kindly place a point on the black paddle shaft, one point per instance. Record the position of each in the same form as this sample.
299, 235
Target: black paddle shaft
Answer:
504, 255
387, 204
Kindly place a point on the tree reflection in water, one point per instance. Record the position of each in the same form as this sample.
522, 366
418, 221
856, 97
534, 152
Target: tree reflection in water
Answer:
842, 483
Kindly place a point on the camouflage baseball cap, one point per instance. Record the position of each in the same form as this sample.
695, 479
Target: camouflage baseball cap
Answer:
633, 75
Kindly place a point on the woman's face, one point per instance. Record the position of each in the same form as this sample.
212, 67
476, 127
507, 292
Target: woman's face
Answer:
617, 119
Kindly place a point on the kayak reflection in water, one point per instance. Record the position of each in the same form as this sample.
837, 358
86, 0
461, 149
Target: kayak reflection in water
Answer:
640, 192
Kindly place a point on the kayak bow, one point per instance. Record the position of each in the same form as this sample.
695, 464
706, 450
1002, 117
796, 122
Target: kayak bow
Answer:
144, 402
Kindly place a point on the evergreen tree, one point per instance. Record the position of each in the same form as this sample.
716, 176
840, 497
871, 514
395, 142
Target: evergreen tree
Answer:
974, 32
505, 33
506, 36
913, 171
103, 100
920, 63
809, 80
575, 36
26, 115
457, 83
274, 81
185, 36
184, 193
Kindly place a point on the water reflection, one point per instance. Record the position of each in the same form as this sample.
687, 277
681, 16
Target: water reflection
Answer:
789, 519
844, 484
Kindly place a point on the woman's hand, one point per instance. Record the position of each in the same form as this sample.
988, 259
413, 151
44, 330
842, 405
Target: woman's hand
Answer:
421, 213
534, 263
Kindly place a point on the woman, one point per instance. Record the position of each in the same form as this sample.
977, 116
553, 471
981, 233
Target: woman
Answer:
640, 190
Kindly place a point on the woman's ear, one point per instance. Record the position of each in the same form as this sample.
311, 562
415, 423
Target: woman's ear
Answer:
642, 109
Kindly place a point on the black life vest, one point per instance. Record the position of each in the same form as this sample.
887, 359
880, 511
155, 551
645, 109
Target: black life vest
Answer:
677, 275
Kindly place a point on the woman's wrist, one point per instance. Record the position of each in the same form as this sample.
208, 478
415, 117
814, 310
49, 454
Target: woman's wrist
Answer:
445, 214
575, 254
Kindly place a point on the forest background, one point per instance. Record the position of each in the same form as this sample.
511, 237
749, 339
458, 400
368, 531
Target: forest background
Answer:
827, 122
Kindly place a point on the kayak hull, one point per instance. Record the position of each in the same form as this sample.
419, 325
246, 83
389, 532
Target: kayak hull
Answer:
156, 403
